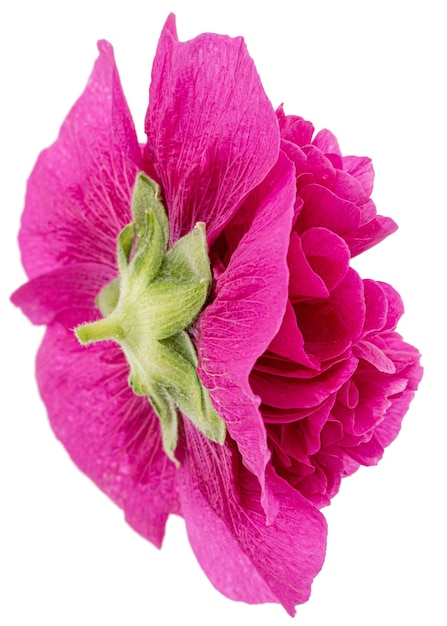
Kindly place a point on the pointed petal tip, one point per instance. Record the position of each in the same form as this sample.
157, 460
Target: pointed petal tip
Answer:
171, 26
104, 46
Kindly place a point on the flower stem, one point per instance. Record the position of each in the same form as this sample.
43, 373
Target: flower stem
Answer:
101, 330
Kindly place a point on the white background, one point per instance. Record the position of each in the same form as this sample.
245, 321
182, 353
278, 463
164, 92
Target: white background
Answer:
373, 73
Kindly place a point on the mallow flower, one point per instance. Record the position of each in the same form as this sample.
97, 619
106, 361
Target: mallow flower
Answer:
209, 350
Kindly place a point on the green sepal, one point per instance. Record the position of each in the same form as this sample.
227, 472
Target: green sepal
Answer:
172, 307
148, 309
149, 249
201, 413
166, 410
146, 196
173, 372
124, 247
108, 297
188, 260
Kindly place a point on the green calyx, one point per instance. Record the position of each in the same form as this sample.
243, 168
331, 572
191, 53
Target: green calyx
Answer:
148, 309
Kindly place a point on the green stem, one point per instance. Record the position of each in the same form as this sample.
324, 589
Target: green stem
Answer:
101, 330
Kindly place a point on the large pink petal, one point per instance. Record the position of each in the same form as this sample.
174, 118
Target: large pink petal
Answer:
212, 132
243, 557
110, 433
247, 313
74, 286
78, 195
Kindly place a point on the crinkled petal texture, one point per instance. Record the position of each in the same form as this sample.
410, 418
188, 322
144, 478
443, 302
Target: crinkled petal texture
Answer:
78, 200
243, 557
79, 191
111, 434
212, 132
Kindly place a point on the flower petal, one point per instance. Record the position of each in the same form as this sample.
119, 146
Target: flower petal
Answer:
332, 325
327, 254
370, 234
78, 196
238, 326
395, 306
74, 286
326, 141
290, 393
288, 341
304, 281
374, 355
110, 433
361, 168
212, 132
243, 557
376, 306
294, 128
323, 208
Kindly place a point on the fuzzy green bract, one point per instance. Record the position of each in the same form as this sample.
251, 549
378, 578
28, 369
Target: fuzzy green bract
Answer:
159, 293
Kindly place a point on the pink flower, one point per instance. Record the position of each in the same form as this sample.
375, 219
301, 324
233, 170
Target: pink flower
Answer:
298, 355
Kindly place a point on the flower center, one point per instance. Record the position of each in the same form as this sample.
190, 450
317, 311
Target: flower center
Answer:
148, 309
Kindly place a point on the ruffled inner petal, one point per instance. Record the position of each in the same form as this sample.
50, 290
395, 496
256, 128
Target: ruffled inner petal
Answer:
370, 234
323, 207
327, 254
332, 325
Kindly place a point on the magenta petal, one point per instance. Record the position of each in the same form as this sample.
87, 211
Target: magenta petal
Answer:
376, 306
388, 430
361, 168
74, 286
332, 325
79, 191
326, 142
289, 342
110, 433
324, 208
247, 313
369, 234
374, 355
304, 281
243, 557
327, 254
294, 128
395, 306
289, 393
212, 132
